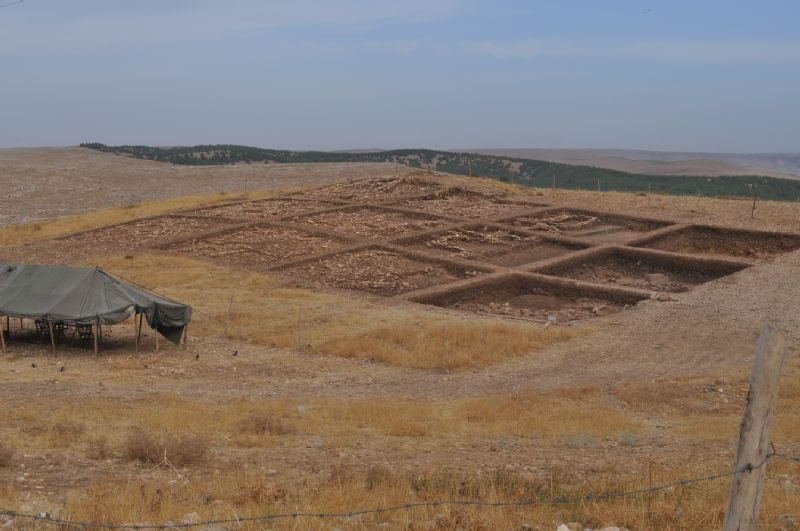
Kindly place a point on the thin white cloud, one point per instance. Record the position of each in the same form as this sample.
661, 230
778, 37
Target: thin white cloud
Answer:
163, 21
711, 52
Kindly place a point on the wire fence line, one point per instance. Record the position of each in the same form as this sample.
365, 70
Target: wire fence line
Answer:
562, 500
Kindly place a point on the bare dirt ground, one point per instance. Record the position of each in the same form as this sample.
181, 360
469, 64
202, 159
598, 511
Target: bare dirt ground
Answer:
49, 182
656, 384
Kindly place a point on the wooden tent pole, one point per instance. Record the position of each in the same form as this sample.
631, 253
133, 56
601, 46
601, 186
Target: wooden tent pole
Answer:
139, 333
52, 337
185, 335
8, 325
135, 325
155, 330
97, 331
3, 338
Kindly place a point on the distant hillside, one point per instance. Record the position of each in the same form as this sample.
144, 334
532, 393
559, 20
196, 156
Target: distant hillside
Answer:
784, 165
527, 172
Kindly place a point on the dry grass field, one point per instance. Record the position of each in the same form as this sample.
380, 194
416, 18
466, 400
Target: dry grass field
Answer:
304, 397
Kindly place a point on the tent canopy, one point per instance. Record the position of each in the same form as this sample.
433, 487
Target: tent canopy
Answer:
85, 295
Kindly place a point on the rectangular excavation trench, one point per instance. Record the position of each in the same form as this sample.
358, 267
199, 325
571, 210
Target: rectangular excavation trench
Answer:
532, 297
262, 209
463, 203
370, 223
143, 233
376, 270
644, 270
496, 245
700, 239
373, 189
586, 224
256, 246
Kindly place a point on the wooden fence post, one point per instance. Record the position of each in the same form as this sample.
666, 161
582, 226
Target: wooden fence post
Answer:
755, 432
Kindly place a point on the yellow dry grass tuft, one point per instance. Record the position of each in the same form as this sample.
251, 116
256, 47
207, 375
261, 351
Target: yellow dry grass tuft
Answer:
244, 495
249, 307
346, 422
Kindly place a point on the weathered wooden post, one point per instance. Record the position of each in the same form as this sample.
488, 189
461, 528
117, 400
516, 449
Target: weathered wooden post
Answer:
52, 337
3, 337
139, 332
96, 333
755, 432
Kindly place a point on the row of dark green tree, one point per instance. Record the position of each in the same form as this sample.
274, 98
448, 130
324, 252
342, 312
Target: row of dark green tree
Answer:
526, 172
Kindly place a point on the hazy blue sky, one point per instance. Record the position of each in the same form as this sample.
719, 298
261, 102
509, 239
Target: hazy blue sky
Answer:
673, 75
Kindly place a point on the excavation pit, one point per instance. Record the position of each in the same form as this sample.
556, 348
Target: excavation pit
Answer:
378, 271
264, 209
467, 204
256, 247
642, 270
142, 233
373, 189
503, 247
587, 225
523, 297
370, 223
751, 245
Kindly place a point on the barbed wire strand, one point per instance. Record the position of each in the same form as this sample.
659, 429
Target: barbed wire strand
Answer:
44, 517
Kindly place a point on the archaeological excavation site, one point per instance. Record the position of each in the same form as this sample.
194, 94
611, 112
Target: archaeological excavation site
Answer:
419, 240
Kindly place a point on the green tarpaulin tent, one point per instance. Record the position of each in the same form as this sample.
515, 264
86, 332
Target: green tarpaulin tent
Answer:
85, 295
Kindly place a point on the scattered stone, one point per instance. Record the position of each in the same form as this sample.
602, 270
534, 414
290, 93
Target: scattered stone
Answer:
191, 518
657, 278
664, 297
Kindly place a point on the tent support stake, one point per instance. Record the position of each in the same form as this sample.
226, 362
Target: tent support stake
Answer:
3, 338
97, 331
139, 333
155, 334
185, 335
52, 337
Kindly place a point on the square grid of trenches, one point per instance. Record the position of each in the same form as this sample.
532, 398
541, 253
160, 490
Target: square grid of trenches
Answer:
416, 239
